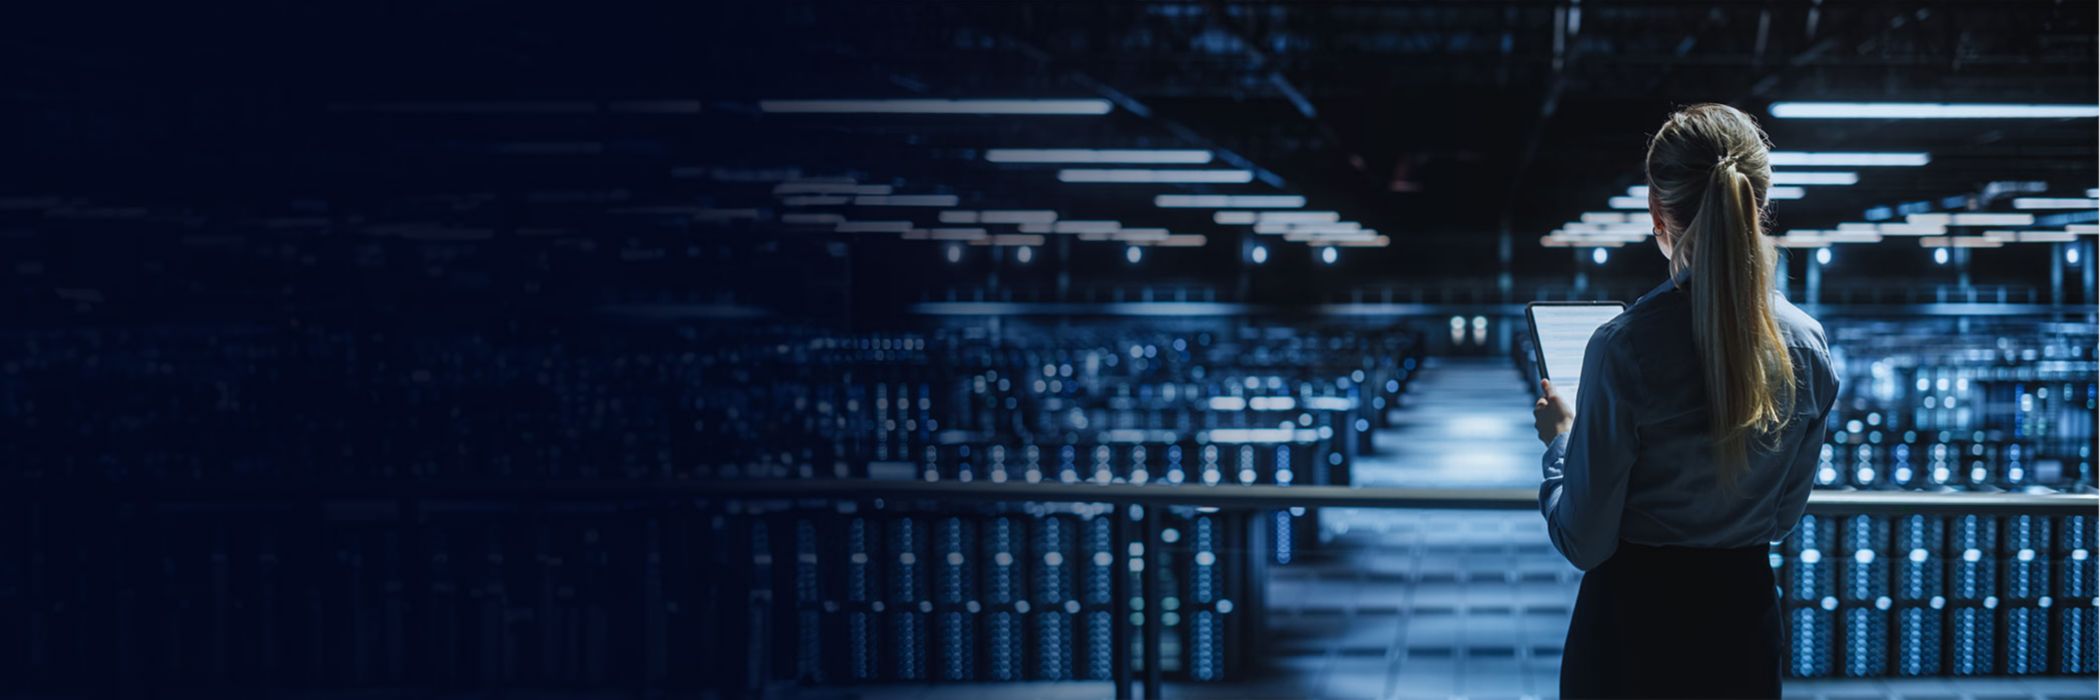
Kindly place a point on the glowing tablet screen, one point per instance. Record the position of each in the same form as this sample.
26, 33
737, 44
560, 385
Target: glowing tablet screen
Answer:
1560, 333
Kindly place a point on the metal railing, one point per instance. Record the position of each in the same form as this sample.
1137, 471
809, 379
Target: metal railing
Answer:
1260, 496
1244, 498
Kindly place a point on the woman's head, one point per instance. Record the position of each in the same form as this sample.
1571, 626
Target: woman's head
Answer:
1709, 167
1702, 150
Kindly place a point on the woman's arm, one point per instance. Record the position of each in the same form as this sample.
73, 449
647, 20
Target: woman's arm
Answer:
1584, 492
1793, 493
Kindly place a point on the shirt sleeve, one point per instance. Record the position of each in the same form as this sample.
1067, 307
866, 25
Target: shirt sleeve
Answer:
1584, 493
1800, 476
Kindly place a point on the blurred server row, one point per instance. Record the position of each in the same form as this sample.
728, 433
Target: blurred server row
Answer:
1922, 595
1969, 404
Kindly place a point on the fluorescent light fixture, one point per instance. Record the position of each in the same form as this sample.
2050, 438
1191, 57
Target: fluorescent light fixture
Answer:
1812, 177
1637, 191
918, 106
1605, 217
1959, 242
1010, 239
814, 200
1349, 227
1141, 234
1907, 229
1228, 403
1928, 110
958, 217
1275, 228
2036, 236
1086, 227
2085, 229
1852, 236
839, 186
907, 200
2054, 203
1587, 227
1138, 176
1183, 240
1859, 227
1988, 219
1611, 238
1233, 217
2094, 193
1786, 193
1639, 203
1854, 159
873, 227
1373, 242
955, 234
1092, 155
1228, 201
1037, 228
1298, 217
1303, 237
812, 219
1016, 216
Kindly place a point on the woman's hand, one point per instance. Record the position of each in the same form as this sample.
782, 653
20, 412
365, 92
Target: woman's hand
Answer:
1551, 414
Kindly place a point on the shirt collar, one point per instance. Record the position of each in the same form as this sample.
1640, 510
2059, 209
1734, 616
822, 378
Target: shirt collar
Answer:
1676, 281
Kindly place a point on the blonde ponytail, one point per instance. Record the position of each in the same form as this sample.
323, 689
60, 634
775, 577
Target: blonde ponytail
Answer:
1710, 167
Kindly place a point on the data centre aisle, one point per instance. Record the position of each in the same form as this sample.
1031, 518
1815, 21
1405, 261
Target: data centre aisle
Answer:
1432, 604
1464, 424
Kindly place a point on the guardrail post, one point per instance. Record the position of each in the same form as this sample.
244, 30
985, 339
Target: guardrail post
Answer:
1119, 603
1150, 582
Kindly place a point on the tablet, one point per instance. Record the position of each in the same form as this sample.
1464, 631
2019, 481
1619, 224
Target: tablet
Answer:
1560, 332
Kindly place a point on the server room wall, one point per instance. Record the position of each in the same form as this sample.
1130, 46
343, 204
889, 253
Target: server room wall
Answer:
1074, 349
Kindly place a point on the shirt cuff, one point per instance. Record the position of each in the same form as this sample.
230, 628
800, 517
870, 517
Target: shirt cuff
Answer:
1556, 451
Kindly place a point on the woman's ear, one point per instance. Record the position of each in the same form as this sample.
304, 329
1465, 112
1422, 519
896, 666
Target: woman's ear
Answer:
1664, 240
1655, 213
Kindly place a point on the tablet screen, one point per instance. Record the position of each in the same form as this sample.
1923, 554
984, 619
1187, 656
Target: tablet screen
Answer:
1561, 332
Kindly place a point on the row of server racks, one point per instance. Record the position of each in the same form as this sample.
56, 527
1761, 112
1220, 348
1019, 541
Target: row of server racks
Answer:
1922, 595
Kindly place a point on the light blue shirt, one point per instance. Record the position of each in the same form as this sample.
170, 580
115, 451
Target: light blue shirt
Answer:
1638, 464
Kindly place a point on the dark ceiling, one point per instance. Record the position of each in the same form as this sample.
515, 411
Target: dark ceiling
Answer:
1445, 125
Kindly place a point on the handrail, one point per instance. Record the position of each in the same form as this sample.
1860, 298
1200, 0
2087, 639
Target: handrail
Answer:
1406, 309
1225, 496
1265, 496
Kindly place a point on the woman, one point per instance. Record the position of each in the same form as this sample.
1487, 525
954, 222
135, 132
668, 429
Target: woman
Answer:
1694, 442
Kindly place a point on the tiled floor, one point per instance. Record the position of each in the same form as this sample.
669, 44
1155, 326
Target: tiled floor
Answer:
1444, 604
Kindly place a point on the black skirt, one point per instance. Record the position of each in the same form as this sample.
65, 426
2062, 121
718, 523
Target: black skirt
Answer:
1675, 622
